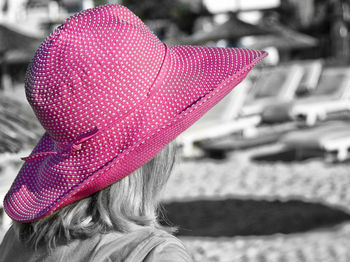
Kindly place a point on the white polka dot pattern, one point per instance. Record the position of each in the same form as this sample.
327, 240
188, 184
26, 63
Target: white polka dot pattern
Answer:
111, 95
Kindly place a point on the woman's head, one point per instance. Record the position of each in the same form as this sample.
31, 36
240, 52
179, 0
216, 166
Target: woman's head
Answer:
124, 206
110, 96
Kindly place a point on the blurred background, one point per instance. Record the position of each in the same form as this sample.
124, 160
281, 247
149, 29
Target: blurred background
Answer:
265, 175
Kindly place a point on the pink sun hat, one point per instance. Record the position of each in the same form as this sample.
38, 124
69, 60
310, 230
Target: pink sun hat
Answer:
110, 96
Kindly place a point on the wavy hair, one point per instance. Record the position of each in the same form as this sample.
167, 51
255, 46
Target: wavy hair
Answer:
126, 205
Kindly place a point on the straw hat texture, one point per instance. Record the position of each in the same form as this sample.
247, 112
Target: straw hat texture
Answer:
110, 95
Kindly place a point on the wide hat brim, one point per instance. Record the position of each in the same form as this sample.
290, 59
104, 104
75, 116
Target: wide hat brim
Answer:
191, 81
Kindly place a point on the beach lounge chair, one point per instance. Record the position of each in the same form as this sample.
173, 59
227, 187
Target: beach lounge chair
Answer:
274, 85
221, 120
312, 70
332, 95
330, 138
280, 110
337, 145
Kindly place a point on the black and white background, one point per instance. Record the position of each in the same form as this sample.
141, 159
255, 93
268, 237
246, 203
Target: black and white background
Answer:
265, 175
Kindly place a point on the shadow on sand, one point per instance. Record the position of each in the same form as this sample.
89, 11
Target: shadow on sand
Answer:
233, 217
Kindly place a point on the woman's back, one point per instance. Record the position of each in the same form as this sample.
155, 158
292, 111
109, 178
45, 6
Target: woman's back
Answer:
147, 244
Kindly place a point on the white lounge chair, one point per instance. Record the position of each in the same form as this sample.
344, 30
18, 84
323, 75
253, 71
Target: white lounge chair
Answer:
337, 146
332, 95
279, 111
332, 138
312, 70
223, 119
274, 85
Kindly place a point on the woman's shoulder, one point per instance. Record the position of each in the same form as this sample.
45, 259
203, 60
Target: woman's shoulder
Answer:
8, 236
169, 249
10, 246
148, 244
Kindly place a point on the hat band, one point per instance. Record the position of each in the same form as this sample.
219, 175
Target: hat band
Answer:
70, 148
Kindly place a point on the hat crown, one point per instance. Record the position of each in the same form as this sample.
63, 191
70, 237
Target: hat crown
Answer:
92, 70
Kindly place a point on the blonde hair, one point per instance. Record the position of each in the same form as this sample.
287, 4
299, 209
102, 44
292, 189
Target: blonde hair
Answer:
126, 205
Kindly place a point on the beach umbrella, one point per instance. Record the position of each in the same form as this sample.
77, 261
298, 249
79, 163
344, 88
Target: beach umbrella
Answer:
283, 39
232, 29
282, 42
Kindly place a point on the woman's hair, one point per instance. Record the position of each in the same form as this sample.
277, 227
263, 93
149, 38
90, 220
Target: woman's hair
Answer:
124, 206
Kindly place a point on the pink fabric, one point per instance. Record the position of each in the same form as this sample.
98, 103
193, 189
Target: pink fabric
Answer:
111, 95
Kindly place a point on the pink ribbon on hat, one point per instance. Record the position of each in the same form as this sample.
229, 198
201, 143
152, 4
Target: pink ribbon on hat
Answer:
72, 147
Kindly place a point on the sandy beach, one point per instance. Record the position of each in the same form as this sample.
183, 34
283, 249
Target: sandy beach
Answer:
238, 177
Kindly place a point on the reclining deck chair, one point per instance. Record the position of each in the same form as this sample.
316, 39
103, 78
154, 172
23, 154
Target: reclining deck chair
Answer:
312, 70
332, 95
330, 138
279, 111
274, 85
223, 119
